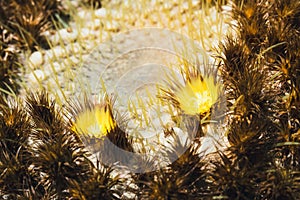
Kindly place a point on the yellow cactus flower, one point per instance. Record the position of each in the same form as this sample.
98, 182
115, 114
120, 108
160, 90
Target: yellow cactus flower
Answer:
97, 122
198, 95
